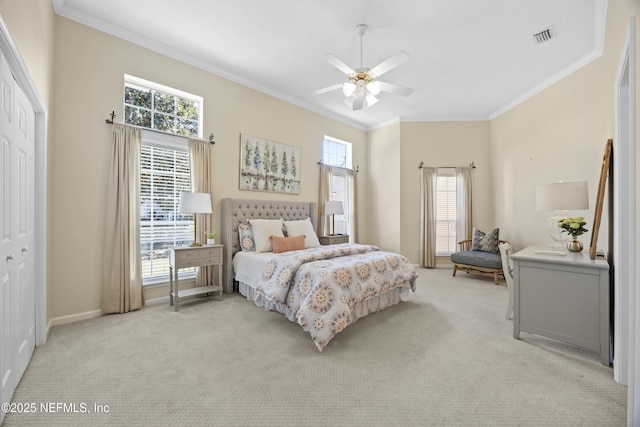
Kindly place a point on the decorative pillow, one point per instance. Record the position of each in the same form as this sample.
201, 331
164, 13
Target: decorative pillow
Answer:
285, 244
485, 242
245, 238
297, 228
262, 230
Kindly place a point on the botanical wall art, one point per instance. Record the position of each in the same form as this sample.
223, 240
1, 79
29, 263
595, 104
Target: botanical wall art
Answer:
269, 166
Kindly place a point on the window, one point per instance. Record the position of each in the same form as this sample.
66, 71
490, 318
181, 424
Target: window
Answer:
157, 107
338, 153
446, 212
164, 169
164, 173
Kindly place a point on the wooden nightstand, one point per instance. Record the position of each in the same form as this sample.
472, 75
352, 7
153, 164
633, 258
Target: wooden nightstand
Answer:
334, 240
186, 257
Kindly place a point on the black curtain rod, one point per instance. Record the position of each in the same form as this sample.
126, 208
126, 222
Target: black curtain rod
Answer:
472, 165
357, 169
113, 115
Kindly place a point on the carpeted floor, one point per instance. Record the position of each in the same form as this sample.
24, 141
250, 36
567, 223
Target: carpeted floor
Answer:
448, 357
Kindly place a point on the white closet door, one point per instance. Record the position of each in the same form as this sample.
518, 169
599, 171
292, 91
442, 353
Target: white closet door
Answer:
25, 296
17, 270
8, 278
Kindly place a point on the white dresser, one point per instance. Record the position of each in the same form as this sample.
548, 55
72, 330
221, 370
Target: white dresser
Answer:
565, 298
186, 257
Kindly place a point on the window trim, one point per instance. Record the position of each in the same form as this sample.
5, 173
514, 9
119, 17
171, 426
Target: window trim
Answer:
446, 173
341, 171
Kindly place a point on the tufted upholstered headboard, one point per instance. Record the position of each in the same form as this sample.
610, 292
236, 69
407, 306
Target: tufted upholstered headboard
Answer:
235, 211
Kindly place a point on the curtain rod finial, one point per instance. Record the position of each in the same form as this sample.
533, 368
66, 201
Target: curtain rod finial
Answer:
112, 115
211, 141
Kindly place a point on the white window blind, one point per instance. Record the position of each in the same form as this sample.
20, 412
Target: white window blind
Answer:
446, 213
338, 153
340, 192
164, 173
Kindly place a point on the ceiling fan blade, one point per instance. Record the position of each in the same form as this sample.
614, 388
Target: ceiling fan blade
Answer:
358, 101
327, 89
337, 62
396, 89
391, 63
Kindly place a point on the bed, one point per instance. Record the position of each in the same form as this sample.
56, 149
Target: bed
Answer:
322, 288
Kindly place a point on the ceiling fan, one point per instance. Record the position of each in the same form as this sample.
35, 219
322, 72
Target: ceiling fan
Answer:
363, 84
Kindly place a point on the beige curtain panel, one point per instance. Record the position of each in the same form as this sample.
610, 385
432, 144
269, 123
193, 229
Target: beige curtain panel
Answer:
122, 275
428, 217
324, 195
201, 162
353, 203
464, 224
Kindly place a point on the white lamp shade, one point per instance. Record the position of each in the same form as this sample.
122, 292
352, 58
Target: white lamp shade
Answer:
194, 202
348, 89
333, 207
562, 196
374, 88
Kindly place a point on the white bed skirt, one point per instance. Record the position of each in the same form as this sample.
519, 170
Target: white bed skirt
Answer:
362, 309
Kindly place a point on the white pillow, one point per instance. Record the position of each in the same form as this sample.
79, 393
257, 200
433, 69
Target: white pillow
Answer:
298, 228
262, 230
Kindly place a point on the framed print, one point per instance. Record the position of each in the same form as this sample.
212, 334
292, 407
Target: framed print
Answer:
269, 166
597, 217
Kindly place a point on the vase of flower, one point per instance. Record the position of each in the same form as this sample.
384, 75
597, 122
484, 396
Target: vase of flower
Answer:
575, 245
574, 227
211, 237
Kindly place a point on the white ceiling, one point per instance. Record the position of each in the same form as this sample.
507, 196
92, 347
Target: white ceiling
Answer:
470, 59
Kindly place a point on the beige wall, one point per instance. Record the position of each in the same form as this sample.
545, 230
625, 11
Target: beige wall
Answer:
443, 144
31, 25
559, 134
89, 84
383, 177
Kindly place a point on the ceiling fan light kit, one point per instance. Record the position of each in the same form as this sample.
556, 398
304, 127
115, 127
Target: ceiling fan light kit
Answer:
362, 84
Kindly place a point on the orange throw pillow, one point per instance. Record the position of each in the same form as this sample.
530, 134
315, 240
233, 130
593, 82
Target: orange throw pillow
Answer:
285, 244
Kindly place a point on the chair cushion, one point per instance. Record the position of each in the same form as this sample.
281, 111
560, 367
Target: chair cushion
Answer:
478, 258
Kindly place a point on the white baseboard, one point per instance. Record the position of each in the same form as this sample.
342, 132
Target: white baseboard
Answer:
63, 320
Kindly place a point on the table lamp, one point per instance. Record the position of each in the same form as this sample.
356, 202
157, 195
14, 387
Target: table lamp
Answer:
333, 208
561, 197
194, 203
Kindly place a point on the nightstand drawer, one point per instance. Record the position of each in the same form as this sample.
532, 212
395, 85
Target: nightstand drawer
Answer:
334, 240
182, 255
208, 252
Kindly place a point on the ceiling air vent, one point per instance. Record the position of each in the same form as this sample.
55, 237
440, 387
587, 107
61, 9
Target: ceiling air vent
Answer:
544, 35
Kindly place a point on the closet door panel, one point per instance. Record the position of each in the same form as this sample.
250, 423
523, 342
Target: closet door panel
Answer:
8, 225
25, 315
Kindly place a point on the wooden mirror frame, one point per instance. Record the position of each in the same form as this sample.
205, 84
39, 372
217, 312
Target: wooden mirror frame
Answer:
604, 171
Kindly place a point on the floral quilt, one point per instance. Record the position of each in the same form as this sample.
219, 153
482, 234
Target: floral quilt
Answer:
323, 285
